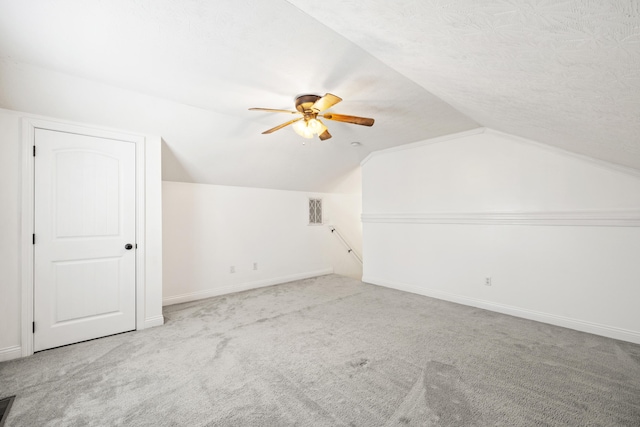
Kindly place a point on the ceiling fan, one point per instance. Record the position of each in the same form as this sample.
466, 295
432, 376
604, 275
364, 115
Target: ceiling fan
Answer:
310, 107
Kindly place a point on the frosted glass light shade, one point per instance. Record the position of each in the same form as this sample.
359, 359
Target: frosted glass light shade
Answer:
308, 128
314, 125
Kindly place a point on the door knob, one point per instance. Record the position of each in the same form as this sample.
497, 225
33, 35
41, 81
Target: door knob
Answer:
128, 246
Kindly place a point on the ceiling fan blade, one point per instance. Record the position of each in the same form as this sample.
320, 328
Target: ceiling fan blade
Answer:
281, 126
364, 121
323, 132
324, 135
324, 103
272, 110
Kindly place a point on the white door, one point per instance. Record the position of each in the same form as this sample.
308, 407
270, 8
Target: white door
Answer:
84, 275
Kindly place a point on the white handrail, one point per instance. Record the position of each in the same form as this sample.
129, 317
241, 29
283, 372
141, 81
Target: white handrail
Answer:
345, 243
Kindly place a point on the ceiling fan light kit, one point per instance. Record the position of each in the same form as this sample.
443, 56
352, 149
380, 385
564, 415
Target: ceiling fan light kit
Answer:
310, 107
309, 128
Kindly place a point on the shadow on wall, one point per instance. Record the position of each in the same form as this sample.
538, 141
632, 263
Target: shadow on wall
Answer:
172, 168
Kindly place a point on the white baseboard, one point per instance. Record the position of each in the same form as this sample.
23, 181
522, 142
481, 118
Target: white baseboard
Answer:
208, 293
10, 353
566, 322
154, 321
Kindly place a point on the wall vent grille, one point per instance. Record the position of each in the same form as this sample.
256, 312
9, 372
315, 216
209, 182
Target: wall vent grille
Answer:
315, 211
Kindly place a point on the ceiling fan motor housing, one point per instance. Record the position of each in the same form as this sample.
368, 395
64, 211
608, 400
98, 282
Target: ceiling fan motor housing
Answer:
305, 102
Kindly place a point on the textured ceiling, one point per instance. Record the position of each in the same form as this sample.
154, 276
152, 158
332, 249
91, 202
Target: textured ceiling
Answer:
562, 73
565, 73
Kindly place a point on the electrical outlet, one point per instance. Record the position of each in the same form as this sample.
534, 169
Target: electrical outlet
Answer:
487, 281
255, 265
232, 269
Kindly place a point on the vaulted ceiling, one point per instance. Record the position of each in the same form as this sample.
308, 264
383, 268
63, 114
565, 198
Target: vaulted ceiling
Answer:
564, 73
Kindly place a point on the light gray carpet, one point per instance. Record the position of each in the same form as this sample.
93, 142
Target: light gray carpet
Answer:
330, 351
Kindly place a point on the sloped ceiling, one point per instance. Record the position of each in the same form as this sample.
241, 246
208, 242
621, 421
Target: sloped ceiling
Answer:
565, 73
562, 73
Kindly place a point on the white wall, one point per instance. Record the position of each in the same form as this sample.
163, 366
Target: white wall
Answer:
11, 167
10, 158
559, 235
345, 210
209, 228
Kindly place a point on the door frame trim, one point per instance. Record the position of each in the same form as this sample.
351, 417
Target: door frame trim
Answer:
29, 125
